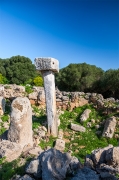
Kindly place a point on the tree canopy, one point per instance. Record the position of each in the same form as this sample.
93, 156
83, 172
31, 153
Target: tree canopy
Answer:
17, 69
78, 77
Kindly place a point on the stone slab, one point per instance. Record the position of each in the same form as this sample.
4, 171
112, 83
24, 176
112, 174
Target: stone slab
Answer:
45, 64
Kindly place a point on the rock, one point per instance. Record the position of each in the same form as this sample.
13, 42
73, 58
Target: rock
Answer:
74, 165
6, 125
2, 105
60, 144
77, 127
1, 90
65, 98
44, 128
33, 95
109, 127
97, 126
89, 124
60, 134
107, 176
99, 155
86, 174
41, 133
93, 121
10, 150
85, 115
88, 162
112, 156
34, 168
20, 130
52, 164
36, 151
26, 177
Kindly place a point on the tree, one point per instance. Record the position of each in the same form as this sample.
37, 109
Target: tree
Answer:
19, 69
78, 77
109, 83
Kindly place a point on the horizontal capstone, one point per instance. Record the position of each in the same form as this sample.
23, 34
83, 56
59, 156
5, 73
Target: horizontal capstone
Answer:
45, 64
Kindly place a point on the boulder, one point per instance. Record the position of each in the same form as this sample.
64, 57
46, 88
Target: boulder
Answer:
107, 176
86, 174
10, 150
52, 164
112, 156
77, 127
20, 130
109, 127
85, 115
33, 95
99, 155
60, 144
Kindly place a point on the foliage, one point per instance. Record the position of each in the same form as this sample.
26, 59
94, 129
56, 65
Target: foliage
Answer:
8, 169
5, 118
87, 141
28, 89
3, 80
18, 69
78, 77
109, 83
38, 81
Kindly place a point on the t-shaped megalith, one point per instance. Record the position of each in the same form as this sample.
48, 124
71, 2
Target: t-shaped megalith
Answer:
48, 66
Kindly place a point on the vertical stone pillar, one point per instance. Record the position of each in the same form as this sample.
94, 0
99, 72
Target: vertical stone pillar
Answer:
20, 130
48, 66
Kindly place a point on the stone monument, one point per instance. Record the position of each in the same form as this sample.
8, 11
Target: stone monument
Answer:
48, 66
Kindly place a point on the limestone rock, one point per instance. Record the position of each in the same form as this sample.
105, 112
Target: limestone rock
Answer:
60, 144
107, 176
99, 155
77, 127
34, 168
109, 127
88, 162
36, 151
52, 164
112, 156
43, 64
26, 177
86, 174
85, 115
20, 130
33, 95
10, 150
2, 105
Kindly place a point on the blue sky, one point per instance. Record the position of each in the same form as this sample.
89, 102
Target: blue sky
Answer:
72, 31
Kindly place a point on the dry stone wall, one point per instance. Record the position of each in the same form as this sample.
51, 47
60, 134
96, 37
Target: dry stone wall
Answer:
64, 100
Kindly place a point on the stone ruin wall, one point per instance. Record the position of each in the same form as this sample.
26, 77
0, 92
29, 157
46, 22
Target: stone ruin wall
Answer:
64, 100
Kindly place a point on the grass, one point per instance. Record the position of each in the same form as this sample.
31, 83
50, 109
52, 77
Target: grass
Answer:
79, 143
9, 169
83, 143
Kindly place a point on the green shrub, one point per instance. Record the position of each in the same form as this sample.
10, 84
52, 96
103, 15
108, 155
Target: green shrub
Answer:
38, 81
28, 89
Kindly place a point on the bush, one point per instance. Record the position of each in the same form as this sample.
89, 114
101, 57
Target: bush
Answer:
38, 81
3, 80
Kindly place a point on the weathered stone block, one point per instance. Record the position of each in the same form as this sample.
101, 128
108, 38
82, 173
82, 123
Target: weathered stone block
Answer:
45, 64
77, 127
109, 127
20, 130
60, 144
10, 150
